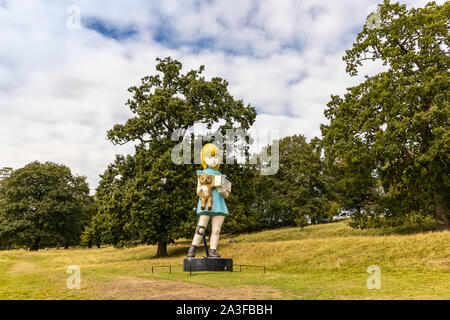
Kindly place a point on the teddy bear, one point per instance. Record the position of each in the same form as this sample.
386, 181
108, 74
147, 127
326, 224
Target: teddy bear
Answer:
206, 186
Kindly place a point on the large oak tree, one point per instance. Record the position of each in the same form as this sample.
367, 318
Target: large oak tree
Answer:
43, 204
146, 197
394, 126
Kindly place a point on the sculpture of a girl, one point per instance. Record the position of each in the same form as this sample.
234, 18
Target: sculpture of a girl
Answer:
210, 156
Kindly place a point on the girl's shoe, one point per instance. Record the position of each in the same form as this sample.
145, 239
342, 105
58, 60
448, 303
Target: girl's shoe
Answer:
192, 251
213, 253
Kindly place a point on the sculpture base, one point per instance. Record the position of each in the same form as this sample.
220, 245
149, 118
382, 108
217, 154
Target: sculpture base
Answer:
207, 264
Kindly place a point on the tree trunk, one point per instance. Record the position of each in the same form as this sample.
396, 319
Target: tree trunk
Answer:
162, 249
442, 214
35, 245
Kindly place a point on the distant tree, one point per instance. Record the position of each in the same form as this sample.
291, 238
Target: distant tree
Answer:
114, 214
43, 204
241, 203
298, 192
86, 238
146, 197
354, 187
302, 222
393, 127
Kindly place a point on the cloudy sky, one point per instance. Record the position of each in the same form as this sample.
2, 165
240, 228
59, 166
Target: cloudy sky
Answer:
63, 84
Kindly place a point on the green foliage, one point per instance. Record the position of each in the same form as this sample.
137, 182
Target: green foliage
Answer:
407, 224
298, 192
175, 102
146, 198
389, 137
5, 172
43, 204
241, 202
301, 222
86, 237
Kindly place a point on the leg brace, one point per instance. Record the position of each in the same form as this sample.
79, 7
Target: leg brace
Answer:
200, 230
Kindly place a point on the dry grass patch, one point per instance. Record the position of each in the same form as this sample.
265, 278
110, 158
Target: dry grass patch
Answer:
22, 267
127, 288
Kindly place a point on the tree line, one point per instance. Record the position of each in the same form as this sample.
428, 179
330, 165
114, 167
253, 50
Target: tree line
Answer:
382, 160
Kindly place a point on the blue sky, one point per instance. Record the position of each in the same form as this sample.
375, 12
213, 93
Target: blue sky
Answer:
62, 88
108, 29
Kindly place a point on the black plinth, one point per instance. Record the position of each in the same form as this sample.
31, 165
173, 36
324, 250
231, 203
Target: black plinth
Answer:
207, 264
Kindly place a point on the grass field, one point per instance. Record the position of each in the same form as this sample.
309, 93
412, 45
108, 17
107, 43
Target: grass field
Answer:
322, 262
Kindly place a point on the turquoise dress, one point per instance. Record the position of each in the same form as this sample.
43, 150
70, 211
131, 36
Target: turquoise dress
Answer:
219, 208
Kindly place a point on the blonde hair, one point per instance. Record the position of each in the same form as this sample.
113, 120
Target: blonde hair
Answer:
212, 150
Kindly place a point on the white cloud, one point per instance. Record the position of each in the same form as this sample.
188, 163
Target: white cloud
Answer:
62, 89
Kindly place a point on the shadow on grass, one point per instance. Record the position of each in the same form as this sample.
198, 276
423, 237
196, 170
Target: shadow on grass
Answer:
178, 251
175, 251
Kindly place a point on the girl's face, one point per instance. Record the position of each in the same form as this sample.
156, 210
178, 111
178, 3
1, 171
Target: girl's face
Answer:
212, 161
